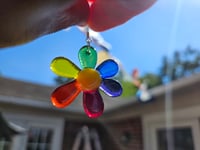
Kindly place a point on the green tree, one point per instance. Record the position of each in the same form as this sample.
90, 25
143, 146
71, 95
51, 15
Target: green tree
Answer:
164, 67
183, 63
61, 80
152, 80
129, 89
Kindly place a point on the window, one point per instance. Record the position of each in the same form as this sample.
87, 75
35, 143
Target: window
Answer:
41, 132
182, 139
183, 133
5, 144
39, 139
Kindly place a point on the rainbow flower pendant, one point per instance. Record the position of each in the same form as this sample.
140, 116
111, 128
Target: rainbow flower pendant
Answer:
88, 80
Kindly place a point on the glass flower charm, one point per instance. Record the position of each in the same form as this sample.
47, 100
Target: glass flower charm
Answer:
88, 80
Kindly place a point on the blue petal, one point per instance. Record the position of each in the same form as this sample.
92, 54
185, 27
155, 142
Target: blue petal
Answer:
108, 68
111, 87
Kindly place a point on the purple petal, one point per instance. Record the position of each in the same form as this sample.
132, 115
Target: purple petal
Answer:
111, 87
93, 104
108, 68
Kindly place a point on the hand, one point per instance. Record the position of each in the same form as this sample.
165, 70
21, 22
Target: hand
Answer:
25, 20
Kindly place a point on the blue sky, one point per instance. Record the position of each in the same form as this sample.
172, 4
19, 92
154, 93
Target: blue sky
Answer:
140, 43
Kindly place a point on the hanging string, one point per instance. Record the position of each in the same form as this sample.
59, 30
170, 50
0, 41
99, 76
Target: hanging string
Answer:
88, 40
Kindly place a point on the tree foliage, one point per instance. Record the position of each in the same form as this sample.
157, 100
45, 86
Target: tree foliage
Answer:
129, 89
61, 80
181, 64
151, 79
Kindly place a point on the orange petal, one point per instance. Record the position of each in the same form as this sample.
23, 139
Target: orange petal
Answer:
106, 14
65, 94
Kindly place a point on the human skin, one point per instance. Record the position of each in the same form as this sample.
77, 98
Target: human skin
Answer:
22, 21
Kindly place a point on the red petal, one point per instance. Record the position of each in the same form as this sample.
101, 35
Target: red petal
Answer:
106, 14
65, 94
93, 104
25, 20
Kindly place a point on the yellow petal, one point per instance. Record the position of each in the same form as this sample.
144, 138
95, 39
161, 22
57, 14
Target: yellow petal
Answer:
64, 67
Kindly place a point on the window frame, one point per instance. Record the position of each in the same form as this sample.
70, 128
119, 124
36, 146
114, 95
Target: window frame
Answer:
188, 117
56, 124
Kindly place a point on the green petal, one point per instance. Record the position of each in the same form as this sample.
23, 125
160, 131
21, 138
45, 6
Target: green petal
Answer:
64, 67
87, 57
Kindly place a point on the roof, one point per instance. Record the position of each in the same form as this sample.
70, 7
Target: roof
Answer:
25, 93
183, 92
38, 96
7, 130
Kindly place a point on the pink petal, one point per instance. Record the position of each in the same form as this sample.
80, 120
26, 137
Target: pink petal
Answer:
93, 104
106, 14
65, 94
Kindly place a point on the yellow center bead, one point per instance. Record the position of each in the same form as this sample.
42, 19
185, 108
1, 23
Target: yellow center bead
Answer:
88, 79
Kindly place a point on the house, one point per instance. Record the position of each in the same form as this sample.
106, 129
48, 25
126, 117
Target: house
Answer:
171, 119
